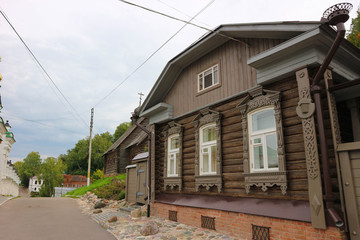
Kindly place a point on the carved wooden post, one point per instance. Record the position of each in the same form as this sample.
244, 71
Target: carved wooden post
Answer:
152, 157
305, 111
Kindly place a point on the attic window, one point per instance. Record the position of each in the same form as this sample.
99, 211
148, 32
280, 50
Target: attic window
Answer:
208, 78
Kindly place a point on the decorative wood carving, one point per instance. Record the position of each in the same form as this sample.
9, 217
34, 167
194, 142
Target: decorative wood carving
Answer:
204, 117
311, 154
173, 128
257, 98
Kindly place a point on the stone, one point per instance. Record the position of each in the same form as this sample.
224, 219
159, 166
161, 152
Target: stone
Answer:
136, 213
99, 204
143, 210
112, 219
149, 228
106, 201
97, 211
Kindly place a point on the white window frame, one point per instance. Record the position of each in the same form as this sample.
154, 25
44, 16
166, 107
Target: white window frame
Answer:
172, 152
208, 146
202, 79
262, 135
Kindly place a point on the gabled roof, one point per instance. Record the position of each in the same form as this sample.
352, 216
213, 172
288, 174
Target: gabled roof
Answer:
212, 40
123, 137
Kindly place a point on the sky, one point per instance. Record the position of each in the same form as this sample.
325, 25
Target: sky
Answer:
95, 53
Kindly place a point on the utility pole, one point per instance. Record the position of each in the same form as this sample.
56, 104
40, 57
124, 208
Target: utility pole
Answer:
89, 163
140, 95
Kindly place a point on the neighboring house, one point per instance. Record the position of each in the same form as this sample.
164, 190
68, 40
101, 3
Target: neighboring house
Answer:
9, 180
120, 154
74, 181
235, 144
35, 184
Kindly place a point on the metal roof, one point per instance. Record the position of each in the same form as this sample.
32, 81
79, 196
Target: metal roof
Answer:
141, 156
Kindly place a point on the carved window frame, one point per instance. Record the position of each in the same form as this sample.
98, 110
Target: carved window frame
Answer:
205, 117
173, 181
173, 151
259, 98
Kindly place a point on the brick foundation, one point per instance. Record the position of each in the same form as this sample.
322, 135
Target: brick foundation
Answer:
239, 225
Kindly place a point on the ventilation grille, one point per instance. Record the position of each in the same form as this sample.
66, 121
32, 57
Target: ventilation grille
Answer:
173, 215
208, 222
260, 233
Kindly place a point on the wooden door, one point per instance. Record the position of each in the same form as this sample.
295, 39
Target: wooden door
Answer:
141, 191
349, 155
131, 180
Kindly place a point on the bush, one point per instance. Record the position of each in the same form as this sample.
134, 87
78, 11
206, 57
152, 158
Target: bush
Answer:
98, 174
113, 191
95, 185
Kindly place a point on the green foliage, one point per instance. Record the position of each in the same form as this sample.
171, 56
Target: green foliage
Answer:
98, 174
96, 184
76, 159
354, 36
120, 130
28, 168
115, 190
51, 172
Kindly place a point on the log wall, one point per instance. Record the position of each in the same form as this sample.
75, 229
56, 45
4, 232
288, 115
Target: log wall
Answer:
232, 147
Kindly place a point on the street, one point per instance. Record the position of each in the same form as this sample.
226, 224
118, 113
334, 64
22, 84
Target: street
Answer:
47, 218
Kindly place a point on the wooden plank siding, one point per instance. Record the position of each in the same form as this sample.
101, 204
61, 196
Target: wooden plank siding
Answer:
235, 75
232, 149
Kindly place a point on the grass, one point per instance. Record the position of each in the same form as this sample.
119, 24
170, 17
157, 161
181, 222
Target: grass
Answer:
95, 185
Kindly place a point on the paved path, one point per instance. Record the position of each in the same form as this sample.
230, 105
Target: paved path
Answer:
47, 218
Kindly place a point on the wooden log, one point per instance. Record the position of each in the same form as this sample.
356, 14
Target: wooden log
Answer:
232, 128
231, 136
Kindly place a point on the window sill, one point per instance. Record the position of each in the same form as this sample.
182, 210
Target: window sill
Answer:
208, 89
265, 180
172, 182
208, 181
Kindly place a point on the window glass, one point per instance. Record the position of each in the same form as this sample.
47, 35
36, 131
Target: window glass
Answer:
263, 120
174, 142
213, 158
258, 157
205, 160
208, 78
209, 134
272, 151
263, 141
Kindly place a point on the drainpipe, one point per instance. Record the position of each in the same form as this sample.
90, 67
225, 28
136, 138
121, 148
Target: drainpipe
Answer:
335, 15
134, 118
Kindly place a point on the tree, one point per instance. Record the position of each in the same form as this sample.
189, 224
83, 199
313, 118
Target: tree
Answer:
19, 168
51, 172
354, 36
29, 168
76, 159
120, 130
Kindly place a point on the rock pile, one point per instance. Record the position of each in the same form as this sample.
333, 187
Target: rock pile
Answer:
92, 200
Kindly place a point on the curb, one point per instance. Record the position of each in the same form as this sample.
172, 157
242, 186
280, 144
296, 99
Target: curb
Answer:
5, 201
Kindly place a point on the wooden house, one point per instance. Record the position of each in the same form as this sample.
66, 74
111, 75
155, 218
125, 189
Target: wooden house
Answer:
240, 152
121, 153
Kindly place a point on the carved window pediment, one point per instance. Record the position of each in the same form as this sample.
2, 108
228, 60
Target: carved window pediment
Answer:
204, 118
259, 98
173, 181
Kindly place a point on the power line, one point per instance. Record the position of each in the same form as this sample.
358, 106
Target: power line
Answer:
184, 21
181, 12
157, 50
42, 68
41, 123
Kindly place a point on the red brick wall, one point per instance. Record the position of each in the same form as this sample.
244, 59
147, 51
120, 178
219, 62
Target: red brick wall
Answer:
239, 225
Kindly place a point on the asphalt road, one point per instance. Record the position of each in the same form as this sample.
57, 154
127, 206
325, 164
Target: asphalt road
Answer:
47, 218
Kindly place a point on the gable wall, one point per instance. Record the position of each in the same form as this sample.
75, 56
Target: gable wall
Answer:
235, 75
